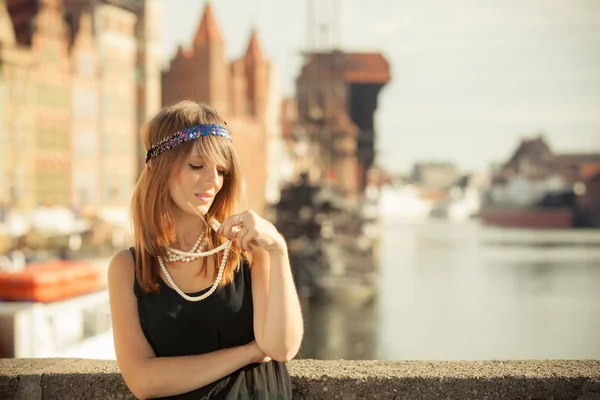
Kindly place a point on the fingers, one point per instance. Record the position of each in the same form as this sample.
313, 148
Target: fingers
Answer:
245, 238
246, 219
240, 237
251, 236
242, 228
227, 227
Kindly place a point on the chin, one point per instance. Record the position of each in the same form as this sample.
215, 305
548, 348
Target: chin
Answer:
202, 210
192, 209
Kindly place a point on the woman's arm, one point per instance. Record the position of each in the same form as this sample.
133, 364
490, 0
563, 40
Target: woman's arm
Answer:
278, 325
146, 375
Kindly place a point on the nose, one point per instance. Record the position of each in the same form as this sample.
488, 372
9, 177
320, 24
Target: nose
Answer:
212, 174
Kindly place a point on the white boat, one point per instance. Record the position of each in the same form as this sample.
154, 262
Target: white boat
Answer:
403, 203
463, 205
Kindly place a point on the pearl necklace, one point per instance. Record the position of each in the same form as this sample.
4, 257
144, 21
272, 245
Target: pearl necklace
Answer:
200, 253
226, 246
172, 256
196, 252
184, 255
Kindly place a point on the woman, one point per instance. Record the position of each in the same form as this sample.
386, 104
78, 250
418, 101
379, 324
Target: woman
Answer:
204, 305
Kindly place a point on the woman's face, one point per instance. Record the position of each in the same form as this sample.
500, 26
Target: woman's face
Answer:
196, 181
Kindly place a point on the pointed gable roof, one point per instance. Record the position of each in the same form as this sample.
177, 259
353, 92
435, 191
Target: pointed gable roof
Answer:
84, 26
208, 32
22, 14
254, 52
7, 31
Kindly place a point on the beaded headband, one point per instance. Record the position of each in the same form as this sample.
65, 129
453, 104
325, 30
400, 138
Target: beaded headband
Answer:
185, 135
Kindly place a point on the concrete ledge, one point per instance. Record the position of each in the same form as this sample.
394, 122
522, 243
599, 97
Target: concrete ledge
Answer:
66, 379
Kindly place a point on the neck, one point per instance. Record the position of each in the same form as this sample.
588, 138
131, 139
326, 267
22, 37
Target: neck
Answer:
189, 228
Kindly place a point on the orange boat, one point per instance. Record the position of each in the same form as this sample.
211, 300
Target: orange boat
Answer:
50, 281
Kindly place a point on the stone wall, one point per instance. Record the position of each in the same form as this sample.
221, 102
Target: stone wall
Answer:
78, 379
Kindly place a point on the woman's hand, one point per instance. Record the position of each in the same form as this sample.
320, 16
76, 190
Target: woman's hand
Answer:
249, 229
258, 356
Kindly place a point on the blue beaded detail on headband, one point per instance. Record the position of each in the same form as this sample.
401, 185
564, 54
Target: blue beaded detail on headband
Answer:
185, 135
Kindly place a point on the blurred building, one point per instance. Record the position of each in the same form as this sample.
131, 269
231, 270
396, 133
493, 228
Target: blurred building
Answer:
538, 188
81, 76
116, 47
16, 117
85, 123
40, 167
588, 201
149, 65
243, 91
333, 134
3, 155
435, 176
534, 170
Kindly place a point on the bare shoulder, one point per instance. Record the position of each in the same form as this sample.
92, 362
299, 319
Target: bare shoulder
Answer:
121, 267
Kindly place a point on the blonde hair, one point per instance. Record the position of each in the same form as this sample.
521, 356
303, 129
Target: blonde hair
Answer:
153, 224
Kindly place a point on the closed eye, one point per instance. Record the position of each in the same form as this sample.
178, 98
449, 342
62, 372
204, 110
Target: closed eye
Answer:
197, 167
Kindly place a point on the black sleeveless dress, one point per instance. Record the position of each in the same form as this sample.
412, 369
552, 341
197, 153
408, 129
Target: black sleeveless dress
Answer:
174, 326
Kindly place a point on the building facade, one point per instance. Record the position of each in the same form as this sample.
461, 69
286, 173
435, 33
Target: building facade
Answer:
17, 149
149, 66
117, 52
241, 90
50, 77
79, 78
85, 123
337, 96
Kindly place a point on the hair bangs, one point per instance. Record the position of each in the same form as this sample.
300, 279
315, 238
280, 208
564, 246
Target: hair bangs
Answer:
216, 150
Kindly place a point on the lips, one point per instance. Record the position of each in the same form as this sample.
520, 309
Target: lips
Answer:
205, 197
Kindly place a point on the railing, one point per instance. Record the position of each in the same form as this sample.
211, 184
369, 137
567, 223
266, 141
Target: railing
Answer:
78, 379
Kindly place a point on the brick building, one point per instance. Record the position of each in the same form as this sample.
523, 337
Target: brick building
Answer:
127, 43
43, 161
16, 118
85, 92
80, 77
116, 46
240, 90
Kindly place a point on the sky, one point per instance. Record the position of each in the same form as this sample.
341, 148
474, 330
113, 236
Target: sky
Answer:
470, 78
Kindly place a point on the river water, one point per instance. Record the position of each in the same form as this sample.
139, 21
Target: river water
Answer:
458, 291
463, 291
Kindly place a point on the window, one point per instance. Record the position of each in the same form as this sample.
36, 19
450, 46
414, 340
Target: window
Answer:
126, 189
84, 143
85, 64
106, 144
60, 97
19, 92
108, 188
49, 56
85, 102
19, 133
52, 96
106, 105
